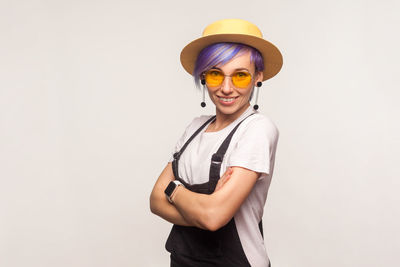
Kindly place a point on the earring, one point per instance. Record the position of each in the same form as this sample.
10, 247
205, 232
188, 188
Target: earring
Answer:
203, 82
258, 89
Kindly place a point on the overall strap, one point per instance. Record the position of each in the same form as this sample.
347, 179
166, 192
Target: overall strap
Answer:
178, 154
218, 157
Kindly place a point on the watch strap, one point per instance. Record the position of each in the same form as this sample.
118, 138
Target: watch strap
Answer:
171, 189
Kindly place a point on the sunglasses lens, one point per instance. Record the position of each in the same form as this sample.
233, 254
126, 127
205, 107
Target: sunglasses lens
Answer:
241, 79
214, 78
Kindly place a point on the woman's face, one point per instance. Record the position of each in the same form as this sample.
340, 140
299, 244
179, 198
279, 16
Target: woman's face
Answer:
231, 100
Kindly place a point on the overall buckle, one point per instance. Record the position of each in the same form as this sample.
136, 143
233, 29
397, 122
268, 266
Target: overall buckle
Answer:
216, 158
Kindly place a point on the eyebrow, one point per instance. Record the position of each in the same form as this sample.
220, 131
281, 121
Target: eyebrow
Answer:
234, 69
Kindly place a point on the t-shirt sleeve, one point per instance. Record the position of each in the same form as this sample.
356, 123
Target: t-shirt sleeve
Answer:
255, 146
185, 136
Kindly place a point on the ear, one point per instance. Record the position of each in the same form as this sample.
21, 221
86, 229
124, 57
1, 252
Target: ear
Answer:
202, 75
259, 77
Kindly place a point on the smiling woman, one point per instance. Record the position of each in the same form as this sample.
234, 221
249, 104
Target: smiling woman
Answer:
232, 96
215, 186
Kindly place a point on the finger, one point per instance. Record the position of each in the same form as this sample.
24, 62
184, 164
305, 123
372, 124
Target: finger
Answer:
225, 179
221, 181
229, 175
228, 172
225, 176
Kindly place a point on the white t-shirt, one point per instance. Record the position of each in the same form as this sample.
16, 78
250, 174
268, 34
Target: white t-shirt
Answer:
253, 147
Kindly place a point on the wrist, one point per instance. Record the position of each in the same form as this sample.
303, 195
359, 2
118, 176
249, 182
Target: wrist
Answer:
171, 189
173, 195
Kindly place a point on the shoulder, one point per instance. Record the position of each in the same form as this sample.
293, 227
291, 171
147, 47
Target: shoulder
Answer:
200, 120
255, 144
196, 122
259, 125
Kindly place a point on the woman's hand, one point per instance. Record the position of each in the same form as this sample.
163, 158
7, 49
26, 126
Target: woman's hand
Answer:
224, 178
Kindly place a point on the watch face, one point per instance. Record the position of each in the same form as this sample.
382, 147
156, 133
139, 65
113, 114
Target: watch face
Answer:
170, 188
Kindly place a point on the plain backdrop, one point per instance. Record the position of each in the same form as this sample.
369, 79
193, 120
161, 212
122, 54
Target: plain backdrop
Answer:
93, 99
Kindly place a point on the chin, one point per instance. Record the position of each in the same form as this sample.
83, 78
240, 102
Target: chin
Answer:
228, 110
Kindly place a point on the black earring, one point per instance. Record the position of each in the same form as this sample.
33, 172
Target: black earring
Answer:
258, 89
203, 82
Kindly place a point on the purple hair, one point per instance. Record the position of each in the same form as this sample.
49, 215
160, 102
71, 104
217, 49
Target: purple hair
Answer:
221, 53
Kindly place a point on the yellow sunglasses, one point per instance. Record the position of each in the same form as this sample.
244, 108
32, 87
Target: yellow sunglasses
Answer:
215, 77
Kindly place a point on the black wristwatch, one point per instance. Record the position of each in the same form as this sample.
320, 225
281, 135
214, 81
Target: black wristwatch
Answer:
171, 188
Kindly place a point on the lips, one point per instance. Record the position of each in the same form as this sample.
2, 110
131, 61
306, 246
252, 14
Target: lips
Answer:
227, 100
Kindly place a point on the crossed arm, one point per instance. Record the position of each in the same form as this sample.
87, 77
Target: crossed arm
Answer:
209, 212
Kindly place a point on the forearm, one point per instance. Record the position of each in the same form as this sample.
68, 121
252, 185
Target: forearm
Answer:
160, 206
194, 207
213, 211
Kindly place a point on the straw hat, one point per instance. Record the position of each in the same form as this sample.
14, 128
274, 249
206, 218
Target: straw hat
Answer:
238, 31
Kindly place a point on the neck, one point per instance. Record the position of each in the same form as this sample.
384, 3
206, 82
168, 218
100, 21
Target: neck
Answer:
222, 120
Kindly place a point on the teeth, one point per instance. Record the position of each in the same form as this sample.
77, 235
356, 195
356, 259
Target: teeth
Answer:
227, 99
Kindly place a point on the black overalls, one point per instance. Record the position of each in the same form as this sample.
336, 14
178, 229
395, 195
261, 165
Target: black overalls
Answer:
195, 247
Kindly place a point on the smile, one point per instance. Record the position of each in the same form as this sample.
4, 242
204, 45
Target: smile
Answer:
227, 100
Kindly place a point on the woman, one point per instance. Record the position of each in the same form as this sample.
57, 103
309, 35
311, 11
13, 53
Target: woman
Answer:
215, 186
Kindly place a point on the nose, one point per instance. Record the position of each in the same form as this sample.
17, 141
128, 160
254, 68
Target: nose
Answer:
226, 86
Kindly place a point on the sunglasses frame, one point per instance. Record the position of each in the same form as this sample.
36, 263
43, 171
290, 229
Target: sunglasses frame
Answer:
203, 75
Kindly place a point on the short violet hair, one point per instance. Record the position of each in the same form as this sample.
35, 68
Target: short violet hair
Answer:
221, 53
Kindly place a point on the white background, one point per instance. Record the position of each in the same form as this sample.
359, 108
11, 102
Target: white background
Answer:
93, 99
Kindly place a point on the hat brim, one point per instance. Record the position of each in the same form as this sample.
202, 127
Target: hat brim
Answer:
272, 56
